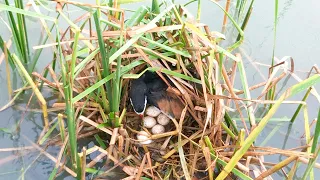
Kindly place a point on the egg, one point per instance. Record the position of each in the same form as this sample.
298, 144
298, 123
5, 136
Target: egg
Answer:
157, 129
153, 111
149, 122
163, 119
142, 136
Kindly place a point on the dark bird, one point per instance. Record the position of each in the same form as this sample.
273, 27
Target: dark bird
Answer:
151, 89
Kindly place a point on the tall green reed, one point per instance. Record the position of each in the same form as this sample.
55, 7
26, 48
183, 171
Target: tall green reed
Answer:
19, 32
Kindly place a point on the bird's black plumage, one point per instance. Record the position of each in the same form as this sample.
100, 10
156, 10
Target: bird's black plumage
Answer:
151, 89
137, 95
146, 86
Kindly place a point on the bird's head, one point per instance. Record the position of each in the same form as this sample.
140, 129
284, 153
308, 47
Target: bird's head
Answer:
138, 96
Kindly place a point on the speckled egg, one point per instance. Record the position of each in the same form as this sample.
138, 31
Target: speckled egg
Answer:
157, 129
153, 111
163, 119
149, 122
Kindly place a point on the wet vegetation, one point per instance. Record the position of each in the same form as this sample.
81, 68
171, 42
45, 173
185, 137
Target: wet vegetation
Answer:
98, 54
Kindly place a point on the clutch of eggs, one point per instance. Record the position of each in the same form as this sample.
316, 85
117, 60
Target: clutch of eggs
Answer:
150, 121
155, 121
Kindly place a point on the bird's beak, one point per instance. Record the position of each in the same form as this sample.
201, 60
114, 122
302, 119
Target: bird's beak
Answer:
141, 116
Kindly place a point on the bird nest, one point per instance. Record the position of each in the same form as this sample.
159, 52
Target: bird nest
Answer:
203, 142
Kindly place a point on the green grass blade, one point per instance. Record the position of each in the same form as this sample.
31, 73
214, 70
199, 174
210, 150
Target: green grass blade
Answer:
208, 42
23, 32
15, 33
74, 56
182, 53
9, 53
136, 17
155, 8
46, 136
311, 164
106, 70
129, 1
247, 94
223, 163
271, 92
84, 62
100, 141
230, 17
53, 174
254, 134
300, 106
4, 7
124, 47
67, 88
104, 80
316, 134
176, 74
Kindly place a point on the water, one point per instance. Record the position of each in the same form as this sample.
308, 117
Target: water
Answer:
297, 36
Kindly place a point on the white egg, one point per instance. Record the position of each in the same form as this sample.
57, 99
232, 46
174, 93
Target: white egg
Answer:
157, 129
142, 136
153, 111
149, 122
163, 119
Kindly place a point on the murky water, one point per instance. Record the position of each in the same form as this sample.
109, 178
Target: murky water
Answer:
297, 36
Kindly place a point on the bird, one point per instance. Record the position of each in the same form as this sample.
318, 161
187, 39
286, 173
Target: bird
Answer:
151, 89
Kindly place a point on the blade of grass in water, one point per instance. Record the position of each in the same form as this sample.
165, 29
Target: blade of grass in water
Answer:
2, 44
67, 88
34, 88
22, 32
15, 32
61, 127
255, 132
271, 92
106, 70
129, 1
24, 12
117, 84
49, 132
155, 8
199, 11
223, 163
84, 62
316, 134
300, 106
39, 51
100, 141
74, 57
246, 19
136, 17
246, 90
6, 54
311, 164
230, 17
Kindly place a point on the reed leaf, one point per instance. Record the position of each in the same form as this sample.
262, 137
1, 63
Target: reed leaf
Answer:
4, 7
67, 88
103, 52
300, 106
253, 135
223, 163
35, 89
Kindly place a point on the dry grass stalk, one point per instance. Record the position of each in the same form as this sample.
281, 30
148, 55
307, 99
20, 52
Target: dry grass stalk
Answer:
208, 101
